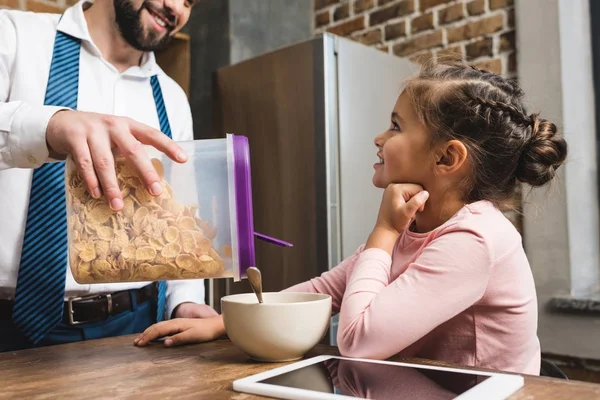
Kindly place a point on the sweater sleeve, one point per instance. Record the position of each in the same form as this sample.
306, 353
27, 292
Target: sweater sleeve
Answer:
379, 318
332, 282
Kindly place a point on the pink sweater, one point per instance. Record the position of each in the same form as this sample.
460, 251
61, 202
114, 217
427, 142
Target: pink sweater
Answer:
462, 293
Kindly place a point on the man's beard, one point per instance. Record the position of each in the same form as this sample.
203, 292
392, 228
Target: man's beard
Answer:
129, 22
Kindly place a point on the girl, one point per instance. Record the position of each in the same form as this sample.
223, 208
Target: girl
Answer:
443, 275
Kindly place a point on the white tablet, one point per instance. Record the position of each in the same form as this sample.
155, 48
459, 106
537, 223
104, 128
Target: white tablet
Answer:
336, 378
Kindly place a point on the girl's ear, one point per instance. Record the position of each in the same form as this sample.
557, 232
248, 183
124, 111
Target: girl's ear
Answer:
450, 157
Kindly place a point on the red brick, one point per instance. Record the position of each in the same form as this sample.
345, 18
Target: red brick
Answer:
480, 27
346, 28
10, 4
496, 4
425, 4
512, 62
322, 18
421, 23
401, 9
481, 48
363, 5
40, 7
341, 12
494, 65
448, 54
384, 2
451, 14
510, 18
507, 41
324, 3
476, 7
369, 37
394, 31
384, 48
422, 57
421, 42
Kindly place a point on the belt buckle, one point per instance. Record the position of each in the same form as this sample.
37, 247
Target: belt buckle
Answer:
70, 301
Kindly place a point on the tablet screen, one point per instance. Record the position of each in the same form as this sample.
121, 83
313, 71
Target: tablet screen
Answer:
377, 381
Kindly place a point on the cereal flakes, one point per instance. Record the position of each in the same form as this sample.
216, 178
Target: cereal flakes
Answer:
152, 238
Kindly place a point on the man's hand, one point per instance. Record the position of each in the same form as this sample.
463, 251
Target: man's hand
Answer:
193, 310
89, 138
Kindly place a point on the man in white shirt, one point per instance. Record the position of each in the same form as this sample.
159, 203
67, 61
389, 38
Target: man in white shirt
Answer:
122, 98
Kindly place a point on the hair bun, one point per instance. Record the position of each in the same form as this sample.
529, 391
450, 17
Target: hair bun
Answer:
542, 154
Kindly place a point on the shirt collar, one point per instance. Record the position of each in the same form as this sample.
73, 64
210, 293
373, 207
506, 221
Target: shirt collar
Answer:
73, 23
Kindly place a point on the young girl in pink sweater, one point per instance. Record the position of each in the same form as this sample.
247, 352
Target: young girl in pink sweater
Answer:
443, 275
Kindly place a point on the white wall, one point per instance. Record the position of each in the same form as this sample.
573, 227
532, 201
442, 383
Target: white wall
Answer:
561, 223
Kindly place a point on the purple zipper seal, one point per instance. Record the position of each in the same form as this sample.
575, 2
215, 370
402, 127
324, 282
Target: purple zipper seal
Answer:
243, 202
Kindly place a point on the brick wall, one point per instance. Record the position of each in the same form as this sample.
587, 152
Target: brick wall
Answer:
480, 32
43, 6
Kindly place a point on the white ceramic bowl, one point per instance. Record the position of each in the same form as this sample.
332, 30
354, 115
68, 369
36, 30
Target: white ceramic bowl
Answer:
283, 328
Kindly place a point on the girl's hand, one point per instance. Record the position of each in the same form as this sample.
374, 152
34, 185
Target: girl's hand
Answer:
399, 205
184, 331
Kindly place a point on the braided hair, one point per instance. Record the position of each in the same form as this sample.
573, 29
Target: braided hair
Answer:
486, 113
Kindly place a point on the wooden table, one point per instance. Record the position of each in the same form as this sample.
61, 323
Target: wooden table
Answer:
114, 368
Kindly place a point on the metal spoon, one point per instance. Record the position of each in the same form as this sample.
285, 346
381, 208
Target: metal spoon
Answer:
255, 280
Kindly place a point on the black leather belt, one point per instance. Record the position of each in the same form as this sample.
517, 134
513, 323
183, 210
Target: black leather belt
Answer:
79, 310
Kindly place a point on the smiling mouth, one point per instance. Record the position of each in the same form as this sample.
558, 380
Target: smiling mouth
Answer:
160, 19
380, 159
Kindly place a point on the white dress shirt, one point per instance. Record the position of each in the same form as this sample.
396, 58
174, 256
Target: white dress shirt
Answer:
26, 45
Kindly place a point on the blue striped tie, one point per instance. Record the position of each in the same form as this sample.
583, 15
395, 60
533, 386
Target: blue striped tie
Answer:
165, 127
40, 288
